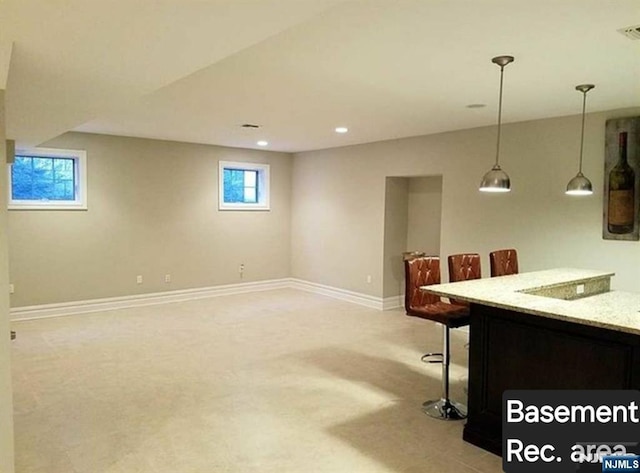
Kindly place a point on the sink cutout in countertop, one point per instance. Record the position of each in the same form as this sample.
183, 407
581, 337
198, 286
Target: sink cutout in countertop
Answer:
572, 291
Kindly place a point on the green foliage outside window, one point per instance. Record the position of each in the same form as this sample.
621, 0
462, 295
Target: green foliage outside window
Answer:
43, 178
240, 186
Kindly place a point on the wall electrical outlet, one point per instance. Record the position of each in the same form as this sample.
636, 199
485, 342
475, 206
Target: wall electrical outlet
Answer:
580, 289
138, 279
167, 278
368, 279
12, 289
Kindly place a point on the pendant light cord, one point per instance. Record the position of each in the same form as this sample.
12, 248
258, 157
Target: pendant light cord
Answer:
584, 108
499, 116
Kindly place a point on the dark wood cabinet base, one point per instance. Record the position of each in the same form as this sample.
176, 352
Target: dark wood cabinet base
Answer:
513, 350
483, 440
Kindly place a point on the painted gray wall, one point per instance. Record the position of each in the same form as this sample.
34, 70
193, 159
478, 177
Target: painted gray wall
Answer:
424, 214
396, 227
152, 211
339, 194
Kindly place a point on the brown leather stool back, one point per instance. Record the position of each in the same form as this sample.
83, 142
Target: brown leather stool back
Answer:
421, 271
424, 271
463, 267
503, 262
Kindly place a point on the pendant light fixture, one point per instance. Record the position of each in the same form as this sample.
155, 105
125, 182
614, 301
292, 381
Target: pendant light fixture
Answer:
580, 185
496, 180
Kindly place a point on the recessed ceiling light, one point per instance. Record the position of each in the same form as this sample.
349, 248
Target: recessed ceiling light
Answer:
342, 129
476, 105
263, 143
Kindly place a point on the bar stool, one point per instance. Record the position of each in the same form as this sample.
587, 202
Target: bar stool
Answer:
503, 262
463, 267
423, 271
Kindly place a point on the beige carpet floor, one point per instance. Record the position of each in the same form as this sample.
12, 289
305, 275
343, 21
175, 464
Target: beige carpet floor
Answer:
280, 381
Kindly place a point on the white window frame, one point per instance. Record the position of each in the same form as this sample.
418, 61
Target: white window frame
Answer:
263, 186
80, 202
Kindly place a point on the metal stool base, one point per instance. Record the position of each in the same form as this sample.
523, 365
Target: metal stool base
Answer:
445, 409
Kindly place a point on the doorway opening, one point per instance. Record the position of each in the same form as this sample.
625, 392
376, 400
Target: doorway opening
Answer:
412, 222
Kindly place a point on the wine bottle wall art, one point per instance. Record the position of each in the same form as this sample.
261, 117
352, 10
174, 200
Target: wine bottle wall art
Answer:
621, 210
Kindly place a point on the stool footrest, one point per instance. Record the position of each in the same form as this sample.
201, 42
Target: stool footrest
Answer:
425, 358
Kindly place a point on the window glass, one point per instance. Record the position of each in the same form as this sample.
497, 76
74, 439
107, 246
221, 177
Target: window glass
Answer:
37, 178
244, 186
48, 178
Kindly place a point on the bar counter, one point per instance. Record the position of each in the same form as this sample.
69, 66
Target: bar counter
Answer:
553, 329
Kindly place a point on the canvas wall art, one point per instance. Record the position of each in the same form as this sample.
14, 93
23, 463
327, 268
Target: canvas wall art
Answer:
621, 209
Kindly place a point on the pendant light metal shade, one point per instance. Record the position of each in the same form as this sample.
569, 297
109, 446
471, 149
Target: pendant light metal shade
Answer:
580, 185
496, 180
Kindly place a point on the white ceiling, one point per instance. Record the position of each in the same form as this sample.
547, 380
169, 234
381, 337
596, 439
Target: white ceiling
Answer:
194, 71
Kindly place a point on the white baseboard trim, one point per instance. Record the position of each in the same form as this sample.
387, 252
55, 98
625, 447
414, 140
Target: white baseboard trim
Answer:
138, 300
337, 293
123, 302
366, 300
393, 302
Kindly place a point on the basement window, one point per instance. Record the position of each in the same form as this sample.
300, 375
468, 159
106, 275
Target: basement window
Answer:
48, 179
243, 186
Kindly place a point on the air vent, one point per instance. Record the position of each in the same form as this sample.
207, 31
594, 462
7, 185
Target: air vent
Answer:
631, 32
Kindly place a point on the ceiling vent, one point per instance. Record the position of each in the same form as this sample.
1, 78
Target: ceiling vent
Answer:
631, 32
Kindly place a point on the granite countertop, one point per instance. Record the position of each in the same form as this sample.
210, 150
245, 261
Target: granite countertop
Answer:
614, 310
